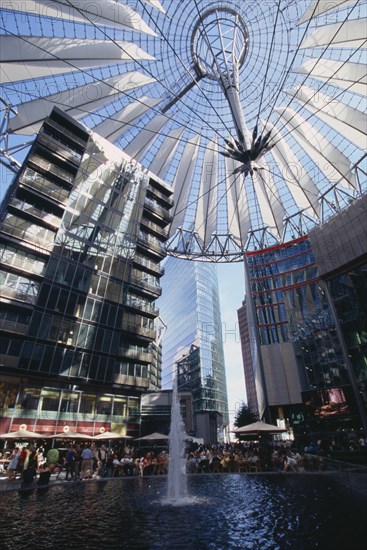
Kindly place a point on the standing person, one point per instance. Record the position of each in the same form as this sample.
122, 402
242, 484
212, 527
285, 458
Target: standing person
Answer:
95, 459
102, 455
33, 458
28, 476
70, 463
22, 460
13, 463
78, 461
44, 475
87, 461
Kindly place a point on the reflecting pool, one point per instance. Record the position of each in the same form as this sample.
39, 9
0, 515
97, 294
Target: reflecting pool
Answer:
227, 511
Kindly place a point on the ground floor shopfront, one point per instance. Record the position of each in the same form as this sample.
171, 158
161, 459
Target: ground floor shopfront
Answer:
52, 408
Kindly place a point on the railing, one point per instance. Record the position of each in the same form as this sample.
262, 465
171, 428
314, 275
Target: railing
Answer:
320, 463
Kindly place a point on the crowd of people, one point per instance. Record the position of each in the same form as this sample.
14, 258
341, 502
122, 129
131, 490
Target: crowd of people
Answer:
27, 463
87, 461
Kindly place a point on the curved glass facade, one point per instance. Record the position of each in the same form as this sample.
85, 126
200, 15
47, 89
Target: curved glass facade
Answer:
192, 344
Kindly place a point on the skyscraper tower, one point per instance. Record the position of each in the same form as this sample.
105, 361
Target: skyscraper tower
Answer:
192, 344
81, 239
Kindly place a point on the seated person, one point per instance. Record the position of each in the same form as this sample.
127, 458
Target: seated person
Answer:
44, 475
27, 477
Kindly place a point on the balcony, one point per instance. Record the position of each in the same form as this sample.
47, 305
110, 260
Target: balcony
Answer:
14, 327
157, 211
160, 196
143, 285
153, 267
136, 355
139, 305
138, 330
37, 214
60, 148
124, 379
155, 228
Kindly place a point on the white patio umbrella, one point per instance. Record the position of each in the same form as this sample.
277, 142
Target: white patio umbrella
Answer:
110, 435
155, 436
22, 434
69, 435
258, 428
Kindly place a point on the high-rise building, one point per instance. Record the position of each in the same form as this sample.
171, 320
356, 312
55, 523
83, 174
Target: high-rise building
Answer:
192, 343
81, 238
307, 311
248, 363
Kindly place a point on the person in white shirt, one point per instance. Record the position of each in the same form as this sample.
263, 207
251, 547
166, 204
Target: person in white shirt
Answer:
87, 461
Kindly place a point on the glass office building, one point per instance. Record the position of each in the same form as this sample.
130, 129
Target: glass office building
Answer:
192, 343
81, 235
307, 304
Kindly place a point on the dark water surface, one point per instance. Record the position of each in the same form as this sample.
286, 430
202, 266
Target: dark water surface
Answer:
228, 511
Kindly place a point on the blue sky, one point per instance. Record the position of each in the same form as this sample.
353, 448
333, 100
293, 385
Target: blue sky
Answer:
231, 289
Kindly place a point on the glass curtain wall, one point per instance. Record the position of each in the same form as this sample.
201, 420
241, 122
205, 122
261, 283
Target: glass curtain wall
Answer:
193, 343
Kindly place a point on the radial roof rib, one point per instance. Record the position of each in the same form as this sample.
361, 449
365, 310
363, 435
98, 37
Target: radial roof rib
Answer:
113, 128
317, 7
352, 34
183, 182
351, 76
206, 214
237, 207
78, 103
107, 13
138, 146
160, 163
24, 57
262, 194
349, 122
300, 184
330, 160
156, 4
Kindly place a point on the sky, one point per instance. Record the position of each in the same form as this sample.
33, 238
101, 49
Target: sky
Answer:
231, 289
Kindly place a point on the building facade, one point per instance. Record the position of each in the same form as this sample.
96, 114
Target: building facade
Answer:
308, 309
192, 343
248, 360
81, 235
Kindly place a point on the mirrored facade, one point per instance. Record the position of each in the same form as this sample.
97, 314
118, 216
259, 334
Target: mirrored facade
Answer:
305, 365
192, 343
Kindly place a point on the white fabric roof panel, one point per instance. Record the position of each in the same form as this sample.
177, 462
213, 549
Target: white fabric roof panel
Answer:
317, 7
339, 35
277, 208
32, 113
346, 120
206, 215
34, 57
107, 13
350, 76
112, 128
264, 204
138, 146
300, 184
237, 206
331, 161
161, 162
183, 182
156, 4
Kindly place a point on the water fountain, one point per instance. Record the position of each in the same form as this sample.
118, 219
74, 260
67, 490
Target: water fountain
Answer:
177, 477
